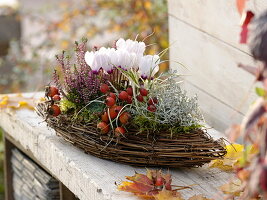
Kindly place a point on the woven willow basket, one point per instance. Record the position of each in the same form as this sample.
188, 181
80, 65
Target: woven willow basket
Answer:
155, 150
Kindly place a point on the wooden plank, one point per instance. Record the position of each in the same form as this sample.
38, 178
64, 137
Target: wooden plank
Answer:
219, 18
8, 169
211, 66
65, 193
216, 113
89, 177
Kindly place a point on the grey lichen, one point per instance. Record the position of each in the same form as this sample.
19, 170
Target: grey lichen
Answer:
174, 108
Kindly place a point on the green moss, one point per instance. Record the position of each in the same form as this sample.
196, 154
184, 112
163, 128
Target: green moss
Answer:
66, 105
92, 112
81, 112
143, 123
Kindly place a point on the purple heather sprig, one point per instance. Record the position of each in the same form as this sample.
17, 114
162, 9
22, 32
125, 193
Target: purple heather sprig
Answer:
78, 79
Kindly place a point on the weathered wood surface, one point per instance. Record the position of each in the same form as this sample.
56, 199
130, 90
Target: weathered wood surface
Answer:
219, 19
204, 35
88, 177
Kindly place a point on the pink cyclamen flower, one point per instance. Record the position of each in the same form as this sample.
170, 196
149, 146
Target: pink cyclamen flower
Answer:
149, 66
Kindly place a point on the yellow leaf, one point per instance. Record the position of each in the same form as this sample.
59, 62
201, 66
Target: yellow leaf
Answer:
16, 102
168, 195
234, 153
3, 101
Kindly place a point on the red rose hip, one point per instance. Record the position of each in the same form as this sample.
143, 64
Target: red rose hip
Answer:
103, 127
124, 118
104, 117
56, 97
54, 110
123, 96
140, 98
143, 91
51, 91
104, 88
152, 108
152, 101
112, 95
129, 91
120, 131
110, 101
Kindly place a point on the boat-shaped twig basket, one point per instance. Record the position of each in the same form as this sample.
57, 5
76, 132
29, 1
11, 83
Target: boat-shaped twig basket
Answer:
189, 149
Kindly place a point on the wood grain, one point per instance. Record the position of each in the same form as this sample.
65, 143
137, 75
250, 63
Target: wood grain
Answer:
220, 19
211, 65
217, 114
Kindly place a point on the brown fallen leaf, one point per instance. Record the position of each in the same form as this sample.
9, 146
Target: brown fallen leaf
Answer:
153, 185
168, 195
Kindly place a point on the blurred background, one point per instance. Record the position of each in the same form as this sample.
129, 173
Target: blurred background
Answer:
32, 32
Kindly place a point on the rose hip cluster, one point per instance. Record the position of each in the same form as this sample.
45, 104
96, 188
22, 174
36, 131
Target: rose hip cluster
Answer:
151, 103
114, 110
52, 93
115, 104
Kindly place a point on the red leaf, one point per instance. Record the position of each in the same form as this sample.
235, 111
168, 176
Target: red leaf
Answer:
243, 35
245, 20
140, 178
240, 4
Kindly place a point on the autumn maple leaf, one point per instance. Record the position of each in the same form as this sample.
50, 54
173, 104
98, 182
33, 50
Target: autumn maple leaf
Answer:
153, 185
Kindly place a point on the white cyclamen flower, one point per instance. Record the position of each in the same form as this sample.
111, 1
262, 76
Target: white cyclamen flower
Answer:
99, 59
105, 60
131, 46
124, 59
149, 66
90, 59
